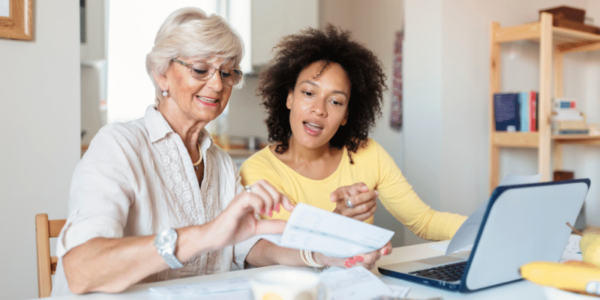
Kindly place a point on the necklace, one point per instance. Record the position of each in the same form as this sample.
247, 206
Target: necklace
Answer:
196, 164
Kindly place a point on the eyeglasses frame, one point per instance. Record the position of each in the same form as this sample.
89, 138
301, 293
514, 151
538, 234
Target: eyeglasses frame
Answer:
189, 66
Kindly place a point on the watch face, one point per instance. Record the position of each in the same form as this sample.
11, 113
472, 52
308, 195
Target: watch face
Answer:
166, 237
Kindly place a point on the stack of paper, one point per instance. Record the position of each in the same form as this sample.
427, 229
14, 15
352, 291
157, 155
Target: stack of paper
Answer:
358, 283
332, 234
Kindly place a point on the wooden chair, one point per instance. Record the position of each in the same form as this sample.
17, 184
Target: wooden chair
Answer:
46, 265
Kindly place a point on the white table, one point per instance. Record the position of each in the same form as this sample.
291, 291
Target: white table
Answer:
517, 290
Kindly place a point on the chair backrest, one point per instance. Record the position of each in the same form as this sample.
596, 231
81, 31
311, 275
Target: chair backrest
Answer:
46, 265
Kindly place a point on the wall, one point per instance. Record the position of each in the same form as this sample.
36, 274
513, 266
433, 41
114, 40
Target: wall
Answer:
374, 24
422, 101
39, 85
93, 70
456, 149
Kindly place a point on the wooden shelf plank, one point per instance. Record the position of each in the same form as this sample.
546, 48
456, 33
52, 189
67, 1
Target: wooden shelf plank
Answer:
531, 139
516, 139
563, 35
564, 38
577, 139
579, 47
530, 31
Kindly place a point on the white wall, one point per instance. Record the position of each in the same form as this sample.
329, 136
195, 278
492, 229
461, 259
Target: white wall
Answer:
422, 101
39, 86
93, 74
455, 147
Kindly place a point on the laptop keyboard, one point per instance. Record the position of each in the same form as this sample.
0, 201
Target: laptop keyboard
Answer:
448, 273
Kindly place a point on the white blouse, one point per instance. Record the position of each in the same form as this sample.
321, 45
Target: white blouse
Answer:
137, 179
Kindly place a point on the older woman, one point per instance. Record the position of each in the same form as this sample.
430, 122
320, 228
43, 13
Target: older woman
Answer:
155, 199
323, 91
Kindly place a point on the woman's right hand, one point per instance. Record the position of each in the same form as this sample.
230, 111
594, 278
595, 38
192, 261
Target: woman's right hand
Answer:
366, 260
238, 221
363, 200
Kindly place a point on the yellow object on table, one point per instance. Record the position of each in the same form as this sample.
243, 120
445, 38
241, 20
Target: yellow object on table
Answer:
574, 276
590, 248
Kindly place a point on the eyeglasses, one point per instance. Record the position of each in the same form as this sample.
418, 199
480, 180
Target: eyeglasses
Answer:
203, 71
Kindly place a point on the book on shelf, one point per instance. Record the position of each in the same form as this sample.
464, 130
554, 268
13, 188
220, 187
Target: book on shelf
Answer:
525, 107
534, 111
516, 111
570, 127
507, 112
564, 103
566, 119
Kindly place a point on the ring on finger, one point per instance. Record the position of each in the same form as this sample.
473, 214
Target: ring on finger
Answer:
349, 203
248, 188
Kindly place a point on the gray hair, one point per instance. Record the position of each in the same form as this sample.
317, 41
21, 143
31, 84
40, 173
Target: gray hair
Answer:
189, 32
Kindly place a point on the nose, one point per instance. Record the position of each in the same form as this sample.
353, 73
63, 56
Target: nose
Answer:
318, 107
215, 82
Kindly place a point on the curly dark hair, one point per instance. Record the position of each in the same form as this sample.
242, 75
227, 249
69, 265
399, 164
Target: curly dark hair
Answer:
298, 51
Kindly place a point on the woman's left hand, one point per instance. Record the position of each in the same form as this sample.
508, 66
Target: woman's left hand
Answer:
238, 221
366, 260
363, 202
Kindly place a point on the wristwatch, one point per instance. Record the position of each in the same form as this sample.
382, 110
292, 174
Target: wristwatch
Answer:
165, 244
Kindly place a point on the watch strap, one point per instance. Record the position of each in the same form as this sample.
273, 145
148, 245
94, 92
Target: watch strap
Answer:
167, 250
171, 260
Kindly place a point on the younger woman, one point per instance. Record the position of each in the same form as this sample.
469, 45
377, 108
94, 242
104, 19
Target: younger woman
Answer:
323, 92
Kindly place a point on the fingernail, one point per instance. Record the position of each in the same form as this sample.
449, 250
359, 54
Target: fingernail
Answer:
270, 213
347, 264
377, 193
351, 261
359, 258
262, 211
277, 208
385, 251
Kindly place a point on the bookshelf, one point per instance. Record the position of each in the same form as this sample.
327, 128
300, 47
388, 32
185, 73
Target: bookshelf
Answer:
554, 43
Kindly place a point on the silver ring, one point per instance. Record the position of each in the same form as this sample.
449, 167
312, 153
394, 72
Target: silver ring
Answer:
349, 204
248, 188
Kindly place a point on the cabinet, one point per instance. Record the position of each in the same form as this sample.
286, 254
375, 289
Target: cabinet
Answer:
262, 23
554, 43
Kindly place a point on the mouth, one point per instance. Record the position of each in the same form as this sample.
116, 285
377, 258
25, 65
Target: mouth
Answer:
312, 128
207, 101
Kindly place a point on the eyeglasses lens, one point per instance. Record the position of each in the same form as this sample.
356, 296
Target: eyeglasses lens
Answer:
202, 71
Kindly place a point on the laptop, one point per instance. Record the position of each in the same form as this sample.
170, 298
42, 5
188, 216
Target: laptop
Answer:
522, 223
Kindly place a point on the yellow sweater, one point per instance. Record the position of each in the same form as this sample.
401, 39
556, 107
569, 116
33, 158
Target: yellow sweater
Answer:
373, 166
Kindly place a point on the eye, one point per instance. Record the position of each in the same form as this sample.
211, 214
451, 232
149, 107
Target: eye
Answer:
307, 93
200, 68
225, 73
336, 102
199, 71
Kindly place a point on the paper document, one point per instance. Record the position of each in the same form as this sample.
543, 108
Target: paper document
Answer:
203, 288
354, 283
398, 290
572, 250
466, 234
329, 233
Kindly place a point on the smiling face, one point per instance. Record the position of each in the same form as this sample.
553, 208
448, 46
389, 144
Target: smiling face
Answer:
318, 104
192, 99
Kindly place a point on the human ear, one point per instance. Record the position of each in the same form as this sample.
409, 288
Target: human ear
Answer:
290, 99
345, 120
162, 81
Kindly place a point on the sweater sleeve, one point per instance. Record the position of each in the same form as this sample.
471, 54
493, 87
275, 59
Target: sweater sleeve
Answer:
258, 167
398, 197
